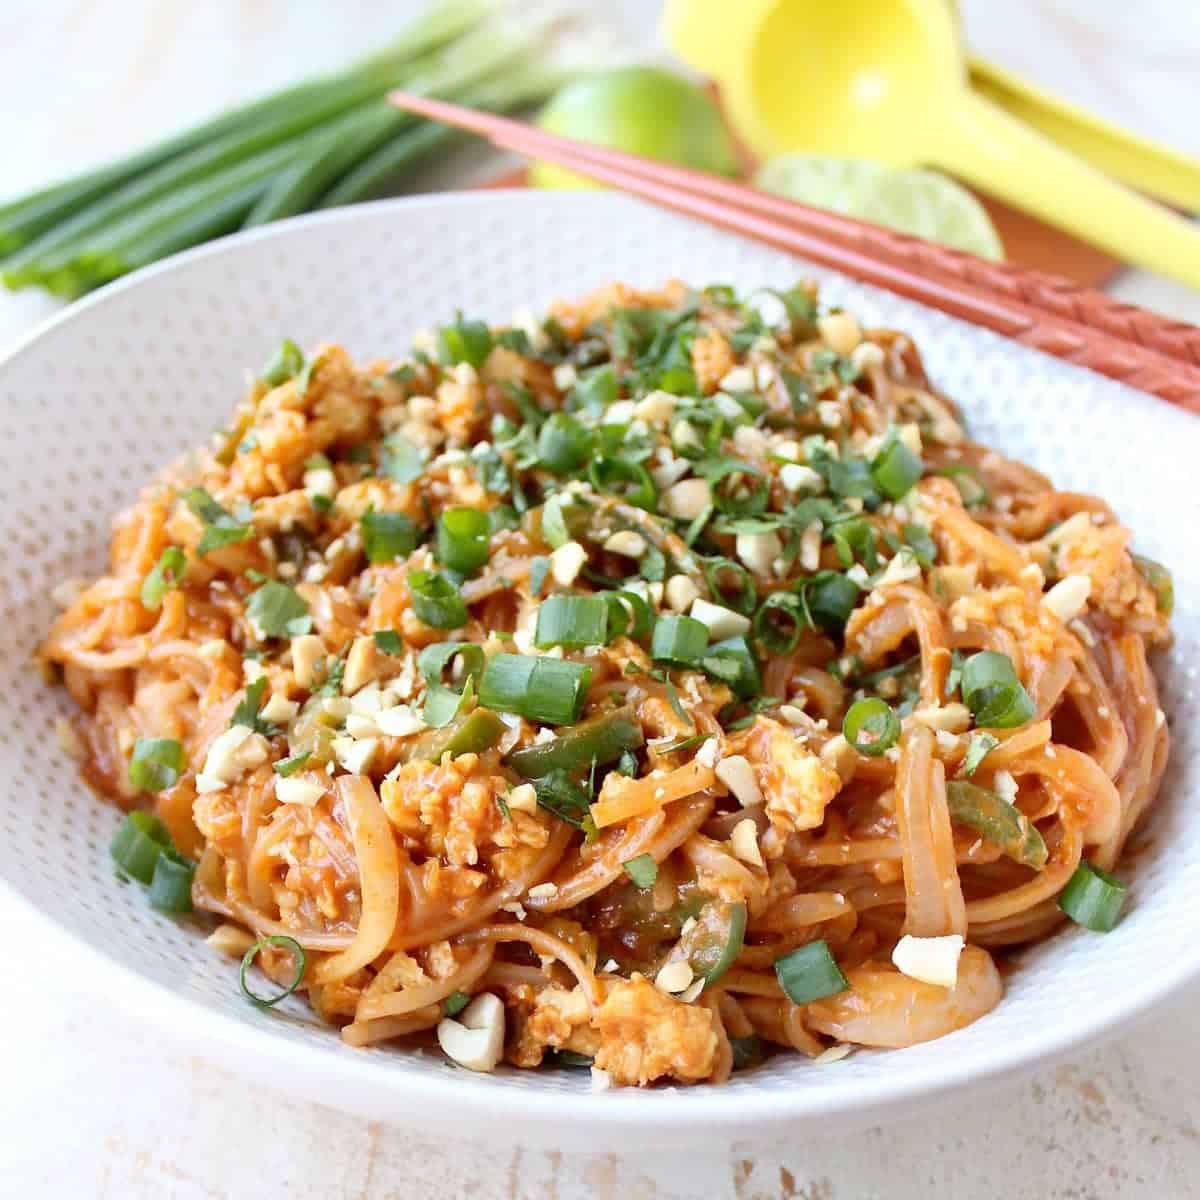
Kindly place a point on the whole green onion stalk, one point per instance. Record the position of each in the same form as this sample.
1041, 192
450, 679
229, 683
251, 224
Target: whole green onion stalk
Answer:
327, 141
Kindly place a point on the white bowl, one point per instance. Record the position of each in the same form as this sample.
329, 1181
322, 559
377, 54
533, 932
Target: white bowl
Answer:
105, 394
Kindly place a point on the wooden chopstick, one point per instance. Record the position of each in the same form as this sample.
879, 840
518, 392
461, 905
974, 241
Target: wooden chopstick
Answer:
1044, 312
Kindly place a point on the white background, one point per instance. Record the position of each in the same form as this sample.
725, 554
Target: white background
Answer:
94, 1105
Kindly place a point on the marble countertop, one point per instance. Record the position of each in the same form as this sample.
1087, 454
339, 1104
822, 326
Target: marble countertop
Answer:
97, 1105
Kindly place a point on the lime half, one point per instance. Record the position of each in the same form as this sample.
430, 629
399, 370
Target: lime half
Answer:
642, 110
923, 203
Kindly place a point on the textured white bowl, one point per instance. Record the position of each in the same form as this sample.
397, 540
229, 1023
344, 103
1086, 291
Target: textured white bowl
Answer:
101, 397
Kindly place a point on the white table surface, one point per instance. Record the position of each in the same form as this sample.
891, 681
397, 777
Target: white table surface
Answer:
93, 1104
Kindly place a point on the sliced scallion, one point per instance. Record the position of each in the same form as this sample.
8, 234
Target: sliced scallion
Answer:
165, 575
387, 536
779, 622
563, 444
282, 942
619, 477
138, 842
171, 884
732, 661
810, 973
548, 690
573, 621
871, 726
436, 600
156, 764
1093, 898
992, 691
740, 595
463, 538
678, 640
895, 468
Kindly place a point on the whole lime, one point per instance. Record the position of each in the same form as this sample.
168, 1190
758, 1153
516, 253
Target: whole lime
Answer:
643, 110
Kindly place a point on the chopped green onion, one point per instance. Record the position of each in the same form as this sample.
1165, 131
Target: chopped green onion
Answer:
979, 746
165, 575
715, 940
402, 462
854, 541
289, 766
600, 740
993, 693
277, 610
287, 363
171, 885
387, 536
137, 844
643, 870
464, 341
572, 621
455, 1003
643, 615
738, 488
388, 641
1093, 898
779, 622
678, 640
548, 690
220, 529
435, 600
563, 444
999, 822
283, 942
156, 764
810, 973
733, 662
463, 539
830, 599
743, 596
619, 477
594, 391
443, 703
895, 468
1160, 581
871, 726
554, 523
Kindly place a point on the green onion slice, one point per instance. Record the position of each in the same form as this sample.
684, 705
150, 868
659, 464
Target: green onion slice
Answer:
548, 690
993, 693
435, 600
575, 621
895, 468
810, 973
156, 764
871, 726
829, 599
713, 943
780, 622
283, 942
742, 595
289, 766
732, 661
678, 640
563, 444
464, 341
1093, 898
444, 702
171, 884
455, 1003
287, 363
463, 539
643, 870
138, 842
643, 615
629, 480
165, 575
387, 536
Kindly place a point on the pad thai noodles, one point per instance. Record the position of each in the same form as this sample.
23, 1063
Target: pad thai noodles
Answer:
646, 688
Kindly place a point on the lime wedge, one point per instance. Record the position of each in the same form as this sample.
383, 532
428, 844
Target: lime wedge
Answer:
923, 203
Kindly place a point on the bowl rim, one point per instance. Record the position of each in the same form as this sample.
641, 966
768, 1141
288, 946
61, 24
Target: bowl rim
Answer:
652, 1116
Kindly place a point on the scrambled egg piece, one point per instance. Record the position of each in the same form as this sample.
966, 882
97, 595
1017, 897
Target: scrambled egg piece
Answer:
449, 810
638, 1034
795, 783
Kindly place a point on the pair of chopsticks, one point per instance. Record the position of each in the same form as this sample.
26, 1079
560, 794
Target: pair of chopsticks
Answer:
1044, 312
